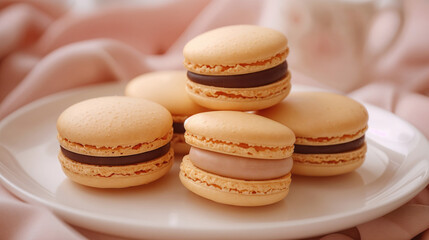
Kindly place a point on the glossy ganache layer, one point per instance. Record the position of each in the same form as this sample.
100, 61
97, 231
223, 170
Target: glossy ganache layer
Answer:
178, 127
116, 160
330, 149
249, 80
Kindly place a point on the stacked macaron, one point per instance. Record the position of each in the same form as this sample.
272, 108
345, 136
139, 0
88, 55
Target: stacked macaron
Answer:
240, 67
115, 142
244, 68
237, 158
168, 89
329, 128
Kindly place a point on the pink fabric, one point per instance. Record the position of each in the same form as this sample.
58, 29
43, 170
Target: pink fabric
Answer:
20, 220
45, 47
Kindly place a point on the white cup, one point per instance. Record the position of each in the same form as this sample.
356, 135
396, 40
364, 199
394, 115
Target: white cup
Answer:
328, 39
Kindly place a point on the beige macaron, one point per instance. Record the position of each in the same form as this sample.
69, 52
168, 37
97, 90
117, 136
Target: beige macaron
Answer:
115, 142
237, 158
168, 89
329, 129
239, 67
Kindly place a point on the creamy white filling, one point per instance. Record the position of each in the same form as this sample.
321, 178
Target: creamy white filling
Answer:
240, 167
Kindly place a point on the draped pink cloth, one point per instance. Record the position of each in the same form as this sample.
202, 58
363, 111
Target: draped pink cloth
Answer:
47, 47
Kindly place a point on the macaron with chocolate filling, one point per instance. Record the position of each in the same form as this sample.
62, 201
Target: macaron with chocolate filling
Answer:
329, 129
237, 158
239, 67
115, 142
168, 89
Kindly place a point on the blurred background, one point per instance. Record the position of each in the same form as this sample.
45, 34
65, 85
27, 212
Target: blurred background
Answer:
374, 50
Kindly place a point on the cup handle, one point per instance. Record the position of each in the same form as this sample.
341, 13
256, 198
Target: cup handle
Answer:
394, 6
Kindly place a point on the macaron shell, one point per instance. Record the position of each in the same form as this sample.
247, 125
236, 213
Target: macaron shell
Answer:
240, 127
166, 88
115, 121
239, 133
328, 164
233, 191
236, 49
320, 118
240, 99
117, 176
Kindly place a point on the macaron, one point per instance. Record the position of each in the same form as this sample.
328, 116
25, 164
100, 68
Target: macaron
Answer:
115, 142
238, 67
329, 128
168, 89
237, 158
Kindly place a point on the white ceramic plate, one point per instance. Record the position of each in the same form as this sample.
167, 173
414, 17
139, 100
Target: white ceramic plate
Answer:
395, 170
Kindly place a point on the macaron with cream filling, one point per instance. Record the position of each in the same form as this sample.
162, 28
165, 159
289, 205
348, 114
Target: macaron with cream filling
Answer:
239, 67
329, 128
168, 89
237, 158
115, 142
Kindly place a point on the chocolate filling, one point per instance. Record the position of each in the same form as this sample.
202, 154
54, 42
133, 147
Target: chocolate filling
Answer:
117, 160
178, 127
249, 80
337, 148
